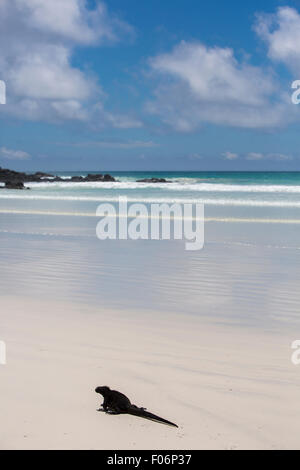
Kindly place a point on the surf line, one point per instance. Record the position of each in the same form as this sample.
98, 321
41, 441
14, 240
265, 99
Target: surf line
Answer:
207, 219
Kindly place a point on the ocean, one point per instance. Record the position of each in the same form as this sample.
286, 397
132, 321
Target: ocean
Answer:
269, 192
247, 273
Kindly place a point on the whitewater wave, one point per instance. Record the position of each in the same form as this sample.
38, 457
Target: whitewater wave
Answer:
149, 200
175, 186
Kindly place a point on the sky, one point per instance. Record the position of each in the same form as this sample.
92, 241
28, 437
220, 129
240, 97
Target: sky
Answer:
150, 85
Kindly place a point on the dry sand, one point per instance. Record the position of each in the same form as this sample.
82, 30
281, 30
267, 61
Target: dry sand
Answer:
226, 388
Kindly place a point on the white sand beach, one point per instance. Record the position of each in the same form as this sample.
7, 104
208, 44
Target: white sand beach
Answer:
225, 387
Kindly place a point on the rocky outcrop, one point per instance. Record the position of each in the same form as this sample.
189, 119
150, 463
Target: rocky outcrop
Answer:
14, 185
40, 174
153, 180
92, 178
77, 179
10, 176
99, 177
17, 176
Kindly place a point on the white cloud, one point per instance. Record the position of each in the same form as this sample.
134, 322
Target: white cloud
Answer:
71, 19
122, 121
13, 154
281, 32
132, 144
201, 85
57, 16
230, 156
37, 39
45, 73
70, 109
214, 74
268, 156
255, 156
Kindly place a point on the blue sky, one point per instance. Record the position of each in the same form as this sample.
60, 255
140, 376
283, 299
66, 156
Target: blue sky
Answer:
136, 85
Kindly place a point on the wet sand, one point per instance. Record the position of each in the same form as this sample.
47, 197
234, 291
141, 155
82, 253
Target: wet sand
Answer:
225, 387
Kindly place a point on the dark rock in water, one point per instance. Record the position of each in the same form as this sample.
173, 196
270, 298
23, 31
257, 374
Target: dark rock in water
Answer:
99, 177
7, 176
40, 174
91, 177
10, 176
153, 180
14, 185
77, 179
109, 178
57, 179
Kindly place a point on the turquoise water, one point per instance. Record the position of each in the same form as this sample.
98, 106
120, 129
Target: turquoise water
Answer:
232, 194
222, 187
234, 176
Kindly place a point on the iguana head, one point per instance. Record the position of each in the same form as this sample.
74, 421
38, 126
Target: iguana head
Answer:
102, 390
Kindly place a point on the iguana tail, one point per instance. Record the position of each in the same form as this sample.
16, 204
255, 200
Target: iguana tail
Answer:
142, 413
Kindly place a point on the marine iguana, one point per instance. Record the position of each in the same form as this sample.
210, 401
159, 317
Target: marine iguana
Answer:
117, 403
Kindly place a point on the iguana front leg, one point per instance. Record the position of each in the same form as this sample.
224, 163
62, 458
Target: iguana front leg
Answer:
104, 406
